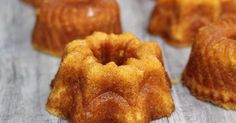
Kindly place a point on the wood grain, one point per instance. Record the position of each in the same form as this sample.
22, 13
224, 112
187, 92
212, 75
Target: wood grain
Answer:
25, 74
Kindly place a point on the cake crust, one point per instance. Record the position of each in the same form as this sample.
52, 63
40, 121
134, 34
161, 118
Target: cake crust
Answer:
111, 78
211, 71
59, 22
178, 21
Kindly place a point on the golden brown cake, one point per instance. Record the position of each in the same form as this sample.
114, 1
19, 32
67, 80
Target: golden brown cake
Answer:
211, 71
178, 21
111, 78
59, 22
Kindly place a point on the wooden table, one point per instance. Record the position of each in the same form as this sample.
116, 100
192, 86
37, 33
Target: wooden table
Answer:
25, 74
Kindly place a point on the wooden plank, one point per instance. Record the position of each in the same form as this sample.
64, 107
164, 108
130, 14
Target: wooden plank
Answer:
25, 74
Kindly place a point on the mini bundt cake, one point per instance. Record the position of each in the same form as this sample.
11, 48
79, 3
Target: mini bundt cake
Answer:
211, 71
59, 22
178, 21
111, 78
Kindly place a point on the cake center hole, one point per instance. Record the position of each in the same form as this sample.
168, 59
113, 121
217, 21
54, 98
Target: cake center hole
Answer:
108, 53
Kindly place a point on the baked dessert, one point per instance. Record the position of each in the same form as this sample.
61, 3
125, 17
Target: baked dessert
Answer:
211, 71
178, 21
59, 22
111, 78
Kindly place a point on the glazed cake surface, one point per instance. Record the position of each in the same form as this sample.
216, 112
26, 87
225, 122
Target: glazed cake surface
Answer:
111, 78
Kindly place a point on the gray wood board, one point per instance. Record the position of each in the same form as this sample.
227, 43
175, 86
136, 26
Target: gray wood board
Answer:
25, 74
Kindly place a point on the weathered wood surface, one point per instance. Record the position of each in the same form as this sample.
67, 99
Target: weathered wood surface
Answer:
25, 74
